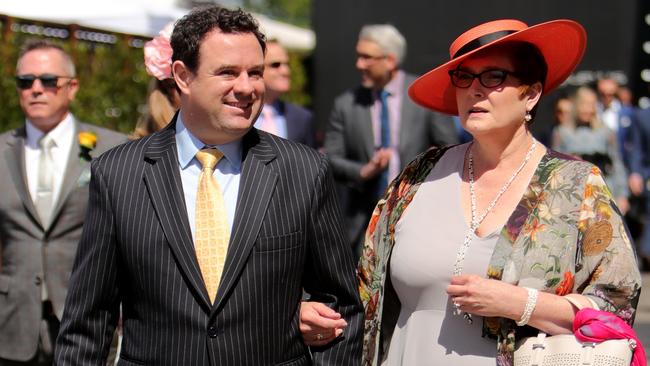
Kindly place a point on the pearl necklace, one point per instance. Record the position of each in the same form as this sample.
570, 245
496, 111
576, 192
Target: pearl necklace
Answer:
476, 221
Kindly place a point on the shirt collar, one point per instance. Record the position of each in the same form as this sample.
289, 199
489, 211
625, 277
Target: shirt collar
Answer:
188, 145
394, 86
61, 133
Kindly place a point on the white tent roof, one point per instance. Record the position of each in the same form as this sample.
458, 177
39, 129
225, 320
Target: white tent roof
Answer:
138, 17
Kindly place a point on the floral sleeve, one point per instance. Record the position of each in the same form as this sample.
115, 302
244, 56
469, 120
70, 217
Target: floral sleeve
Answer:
605, 251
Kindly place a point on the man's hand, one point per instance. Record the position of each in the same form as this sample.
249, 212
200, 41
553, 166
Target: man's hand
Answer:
319, 324
377, 164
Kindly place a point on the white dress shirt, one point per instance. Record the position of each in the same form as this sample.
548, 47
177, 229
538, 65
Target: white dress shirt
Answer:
227, 172
63, 136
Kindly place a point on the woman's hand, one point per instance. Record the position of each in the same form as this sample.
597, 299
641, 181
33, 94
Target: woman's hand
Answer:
319, 324
486, 297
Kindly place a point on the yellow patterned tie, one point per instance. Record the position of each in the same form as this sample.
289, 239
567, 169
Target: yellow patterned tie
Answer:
211, 231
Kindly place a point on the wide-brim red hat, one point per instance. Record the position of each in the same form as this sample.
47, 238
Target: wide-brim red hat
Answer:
561, 42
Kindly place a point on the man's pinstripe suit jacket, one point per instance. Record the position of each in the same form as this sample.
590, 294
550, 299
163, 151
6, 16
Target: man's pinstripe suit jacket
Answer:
137, 249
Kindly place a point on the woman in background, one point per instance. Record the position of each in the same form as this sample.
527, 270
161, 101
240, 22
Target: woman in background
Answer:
163, 97
587, 137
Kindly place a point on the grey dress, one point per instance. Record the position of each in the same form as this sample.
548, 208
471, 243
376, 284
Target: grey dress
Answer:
426, 241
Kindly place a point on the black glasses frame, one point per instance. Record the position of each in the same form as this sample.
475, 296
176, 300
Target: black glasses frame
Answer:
491, 78
51, 81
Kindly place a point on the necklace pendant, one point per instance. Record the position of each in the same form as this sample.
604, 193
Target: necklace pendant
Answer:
468, 318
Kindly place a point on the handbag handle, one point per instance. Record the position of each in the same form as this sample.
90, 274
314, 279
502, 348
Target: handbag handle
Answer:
538, 346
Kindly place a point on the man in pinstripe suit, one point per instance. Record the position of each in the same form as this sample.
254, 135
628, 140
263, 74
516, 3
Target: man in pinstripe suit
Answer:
137, 247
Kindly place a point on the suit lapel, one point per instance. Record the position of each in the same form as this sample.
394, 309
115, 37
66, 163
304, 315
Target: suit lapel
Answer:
256, 188
73, 169
163, 181
15, 157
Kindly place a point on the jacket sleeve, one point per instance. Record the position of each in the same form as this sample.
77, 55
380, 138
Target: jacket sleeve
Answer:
92, 304
330, 274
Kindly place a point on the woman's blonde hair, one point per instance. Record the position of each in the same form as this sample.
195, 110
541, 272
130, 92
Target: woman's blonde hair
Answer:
578, 97
162, 103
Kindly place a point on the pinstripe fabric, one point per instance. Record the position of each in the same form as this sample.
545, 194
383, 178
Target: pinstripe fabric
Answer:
137, 248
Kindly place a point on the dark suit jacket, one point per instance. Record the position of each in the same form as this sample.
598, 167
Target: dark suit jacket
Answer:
31, 252
349, 143
300, 123
137, 248
639, 145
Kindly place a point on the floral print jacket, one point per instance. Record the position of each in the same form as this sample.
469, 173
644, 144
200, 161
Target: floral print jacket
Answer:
565, 236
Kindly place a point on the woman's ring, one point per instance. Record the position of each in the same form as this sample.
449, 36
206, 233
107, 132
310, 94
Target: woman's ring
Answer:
319, 337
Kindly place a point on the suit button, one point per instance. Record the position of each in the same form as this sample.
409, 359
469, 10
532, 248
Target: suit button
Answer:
212, 332
38, 280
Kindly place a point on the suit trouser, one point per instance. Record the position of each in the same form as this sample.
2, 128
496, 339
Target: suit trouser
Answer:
46, 341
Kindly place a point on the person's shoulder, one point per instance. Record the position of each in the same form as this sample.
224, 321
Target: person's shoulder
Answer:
12, 134
298, 110
569, 165
127, 153
356, 95
106, 138
287, 150
643, 115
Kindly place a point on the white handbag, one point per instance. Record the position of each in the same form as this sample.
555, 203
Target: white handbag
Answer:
566, 350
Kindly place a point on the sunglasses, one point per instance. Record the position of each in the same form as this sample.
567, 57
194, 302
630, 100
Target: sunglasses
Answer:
488, 78
47, 80
277, 64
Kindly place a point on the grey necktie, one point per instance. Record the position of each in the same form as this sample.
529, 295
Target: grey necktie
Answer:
45, 187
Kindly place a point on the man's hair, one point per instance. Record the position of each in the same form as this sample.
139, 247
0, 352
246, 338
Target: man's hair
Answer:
191, 29
44, 44
387, 37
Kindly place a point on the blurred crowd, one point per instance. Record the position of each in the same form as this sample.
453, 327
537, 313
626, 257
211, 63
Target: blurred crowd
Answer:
600, 124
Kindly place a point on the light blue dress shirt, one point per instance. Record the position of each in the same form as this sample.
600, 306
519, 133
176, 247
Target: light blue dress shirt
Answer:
280, 120
227, 172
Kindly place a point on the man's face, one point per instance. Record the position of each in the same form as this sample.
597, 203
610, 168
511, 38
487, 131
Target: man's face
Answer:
277, 74
44, 106
222, 99
607, 89
375, 66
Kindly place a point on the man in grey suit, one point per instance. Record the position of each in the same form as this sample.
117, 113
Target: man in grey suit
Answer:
45, 174
146, 241
375, 129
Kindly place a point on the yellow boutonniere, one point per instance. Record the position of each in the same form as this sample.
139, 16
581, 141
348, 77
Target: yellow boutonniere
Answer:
87, 142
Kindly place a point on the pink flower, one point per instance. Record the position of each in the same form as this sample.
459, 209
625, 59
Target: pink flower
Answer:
158, 55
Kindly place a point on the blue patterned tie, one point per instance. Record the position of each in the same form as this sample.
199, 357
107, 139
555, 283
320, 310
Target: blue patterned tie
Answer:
385, 138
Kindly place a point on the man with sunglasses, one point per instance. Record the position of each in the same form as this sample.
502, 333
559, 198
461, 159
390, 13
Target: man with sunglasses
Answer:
278, 117
42, 202
375, 129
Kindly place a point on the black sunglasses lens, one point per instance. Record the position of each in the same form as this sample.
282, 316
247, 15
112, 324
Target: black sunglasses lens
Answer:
25, 81
49, 81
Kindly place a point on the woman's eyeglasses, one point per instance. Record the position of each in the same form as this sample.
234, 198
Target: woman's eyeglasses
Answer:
488, 78
47, 80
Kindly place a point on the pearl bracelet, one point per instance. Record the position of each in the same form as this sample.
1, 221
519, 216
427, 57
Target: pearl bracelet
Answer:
530, 306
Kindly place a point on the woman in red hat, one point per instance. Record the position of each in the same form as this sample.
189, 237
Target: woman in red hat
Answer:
476, 246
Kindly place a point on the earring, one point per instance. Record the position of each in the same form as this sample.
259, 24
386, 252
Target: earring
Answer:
528, 117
